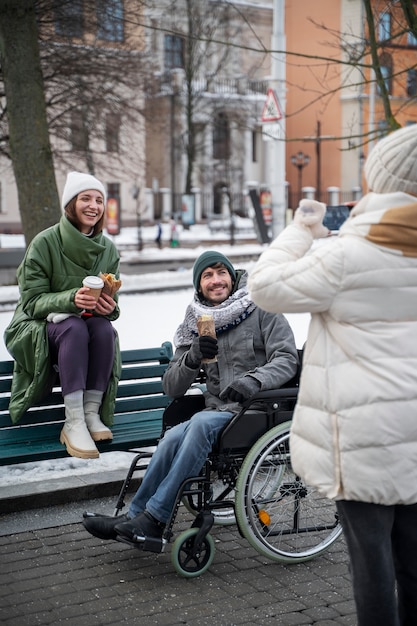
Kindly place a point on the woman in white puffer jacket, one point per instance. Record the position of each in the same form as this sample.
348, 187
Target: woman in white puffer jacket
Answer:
354, 431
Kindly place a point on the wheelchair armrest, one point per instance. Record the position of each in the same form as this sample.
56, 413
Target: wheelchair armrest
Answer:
271, 394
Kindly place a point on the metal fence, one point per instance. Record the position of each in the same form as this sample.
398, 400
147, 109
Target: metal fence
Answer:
240, 203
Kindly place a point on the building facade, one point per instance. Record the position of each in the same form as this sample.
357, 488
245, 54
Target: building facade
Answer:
180, 115
210, 68
335, 111
92, 55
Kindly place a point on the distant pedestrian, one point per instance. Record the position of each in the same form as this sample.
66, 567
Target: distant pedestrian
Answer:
174, 241
354, 430
158, 238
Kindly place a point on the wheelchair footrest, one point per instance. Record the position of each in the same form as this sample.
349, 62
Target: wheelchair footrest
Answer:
147, 544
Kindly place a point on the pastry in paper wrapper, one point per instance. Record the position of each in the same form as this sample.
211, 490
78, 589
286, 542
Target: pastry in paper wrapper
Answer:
111, 284
205, 326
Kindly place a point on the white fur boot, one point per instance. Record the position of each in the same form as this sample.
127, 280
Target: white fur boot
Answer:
75, 435
92, 403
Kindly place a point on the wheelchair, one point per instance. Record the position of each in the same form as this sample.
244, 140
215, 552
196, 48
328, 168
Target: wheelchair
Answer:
247, 480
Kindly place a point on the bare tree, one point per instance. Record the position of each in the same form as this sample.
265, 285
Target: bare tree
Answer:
93, 82
410, 15
80, 90
30, 149
67, 96
366, 54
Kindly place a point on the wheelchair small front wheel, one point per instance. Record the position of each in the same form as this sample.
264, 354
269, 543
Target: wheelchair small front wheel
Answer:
188, 560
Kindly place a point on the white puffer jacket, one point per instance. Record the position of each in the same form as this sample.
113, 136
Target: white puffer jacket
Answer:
354, 431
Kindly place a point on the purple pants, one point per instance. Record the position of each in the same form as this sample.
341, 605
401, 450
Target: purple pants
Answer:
83, 349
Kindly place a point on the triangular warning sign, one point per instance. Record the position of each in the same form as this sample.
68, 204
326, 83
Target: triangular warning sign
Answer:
271, 111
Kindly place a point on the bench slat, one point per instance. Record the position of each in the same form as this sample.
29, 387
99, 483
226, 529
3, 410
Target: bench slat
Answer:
6, 367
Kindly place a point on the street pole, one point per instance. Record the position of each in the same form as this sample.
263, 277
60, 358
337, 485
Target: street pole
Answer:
276, 154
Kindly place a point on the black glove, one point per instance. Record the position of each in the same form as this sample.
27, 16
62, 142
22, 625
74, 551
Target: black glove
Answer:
241, 389
203, 347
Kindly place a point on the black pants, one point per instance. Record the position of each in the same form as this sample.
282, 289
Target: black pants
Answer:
382, 544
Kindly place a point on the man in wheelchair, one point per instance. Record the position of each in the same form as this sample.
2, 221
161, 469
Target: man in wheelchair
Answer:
253, 351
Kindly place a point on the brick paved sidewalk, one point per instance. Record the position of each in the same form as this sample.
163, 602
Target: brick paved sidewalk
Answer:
62, 575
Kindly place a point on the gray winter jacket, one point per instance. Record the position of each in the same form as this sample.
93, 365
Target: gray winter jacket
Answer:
261, 346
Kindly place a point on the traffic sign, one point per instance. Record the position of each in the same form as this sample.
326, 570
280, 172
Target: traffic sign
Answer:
271, 131
271, 111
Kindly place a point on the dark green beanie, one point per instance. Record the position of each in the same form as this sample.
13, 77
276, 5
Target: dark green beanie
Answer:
209, 259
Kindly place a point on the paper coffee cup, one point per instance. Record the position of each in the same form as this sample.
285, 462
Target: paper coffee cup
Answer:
95, 284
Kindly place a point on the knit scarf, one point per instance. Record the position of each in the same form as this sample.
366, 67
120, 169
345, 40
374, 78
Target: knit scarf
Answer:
227, 315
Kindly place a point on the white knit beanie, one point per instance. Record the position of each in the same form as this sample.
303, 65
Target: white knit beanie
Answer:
392, 163
78, 182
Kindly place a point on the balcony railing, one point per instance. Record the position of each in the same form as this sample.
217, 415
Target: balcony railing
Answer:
169, 82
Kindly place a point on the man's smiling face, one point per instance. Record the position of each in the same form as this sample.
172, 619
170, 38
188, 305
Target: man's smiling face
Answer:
216, 284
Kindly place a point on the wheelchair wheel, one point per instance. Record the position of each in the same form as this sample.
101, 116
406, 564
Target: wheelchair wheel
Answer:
283, 519
224, 516
186, 560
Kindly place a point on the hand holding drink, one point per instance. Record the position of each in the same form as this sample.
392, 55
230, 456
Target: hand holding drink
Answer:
206, 327
95, 285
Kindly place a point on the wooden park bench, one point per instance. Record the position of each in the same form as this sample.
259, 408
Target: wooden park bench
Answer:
140, 404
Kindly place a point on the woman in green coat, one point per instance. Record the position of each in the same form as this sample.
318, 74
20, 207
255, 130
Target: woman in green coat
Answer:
58, 326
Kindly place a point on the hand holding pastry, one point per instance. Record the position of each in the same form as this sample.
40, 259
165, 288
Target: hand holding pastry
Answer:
111, 284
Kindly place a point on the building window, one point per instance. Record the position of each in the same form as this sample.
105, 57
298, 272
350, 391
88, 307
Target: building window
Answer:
221, 137
68, 18
382, 128
110, 20
218, 191
384, 30
173, 52
79, 138
112, 132
385, 71
385, 61
412, 83
411, 39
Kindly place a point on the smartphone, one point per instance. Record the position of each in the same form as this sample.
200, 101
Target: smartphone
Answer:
335, 216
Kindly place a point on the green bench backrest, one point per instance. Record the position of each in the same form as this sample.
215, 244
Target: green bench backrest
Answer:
140, 404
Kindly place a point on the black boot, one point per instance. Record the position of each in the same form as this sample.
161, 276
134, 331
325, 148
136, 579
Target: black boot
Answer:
143, 525
103, 526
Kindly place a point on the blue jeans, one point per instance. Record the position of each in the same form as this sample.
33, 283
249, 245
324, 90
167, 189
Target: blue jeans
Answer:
180, 454
382, 543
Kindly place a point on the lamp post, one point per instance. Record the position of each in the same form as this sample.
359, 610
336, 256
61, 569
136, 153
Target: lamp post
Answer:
300, 160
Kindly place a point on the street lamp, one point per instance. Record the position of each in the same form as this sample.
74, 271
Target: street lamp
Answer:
300, 160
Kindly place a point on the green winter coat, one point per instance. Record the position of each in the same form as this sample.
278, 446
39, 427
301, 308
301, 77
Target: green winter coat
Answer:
54, 266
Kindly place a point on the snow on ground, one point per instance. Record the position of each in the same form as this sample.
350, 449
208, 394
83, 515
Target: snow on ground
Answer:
146, 320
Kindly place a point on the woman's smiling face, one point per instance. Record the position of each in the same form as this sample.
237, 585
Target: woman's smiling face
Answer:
89, 208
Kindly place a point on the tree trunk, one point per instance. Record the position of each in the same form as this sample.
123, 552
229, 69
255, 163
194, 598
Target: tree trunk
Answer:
26, 111
410, 15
